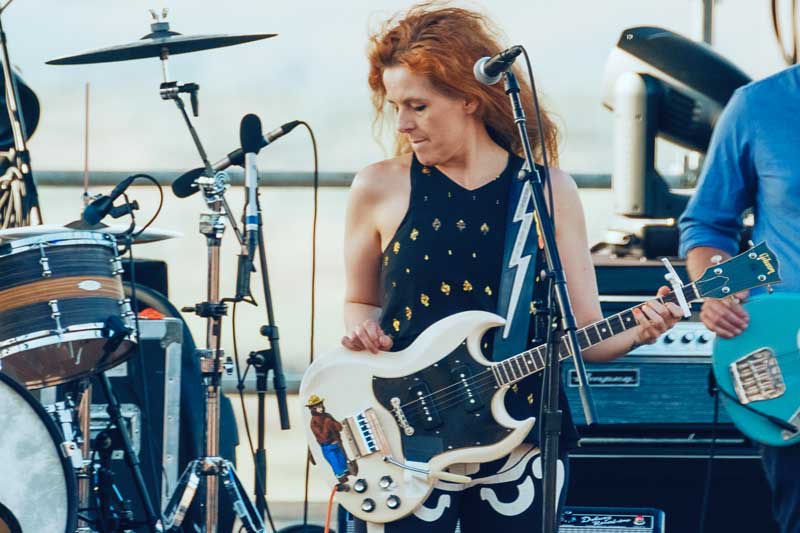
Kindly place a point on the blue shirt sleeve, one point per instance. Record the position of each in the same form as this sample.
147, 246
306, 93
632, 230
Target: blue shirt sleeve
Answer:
726, 187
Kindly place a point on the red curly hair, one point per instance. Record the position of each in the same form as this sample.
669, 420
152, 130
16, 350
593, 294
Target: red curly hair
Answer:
443, 44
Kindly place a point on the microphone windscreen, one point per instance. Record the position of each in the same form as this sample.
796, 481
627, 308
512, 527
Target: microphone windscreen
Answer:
250, 134
185, 185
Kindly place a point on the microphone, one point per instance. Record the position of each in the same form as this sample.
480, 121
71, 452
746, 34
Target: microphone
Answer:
102, 205
184, 185
250, 138
490, 70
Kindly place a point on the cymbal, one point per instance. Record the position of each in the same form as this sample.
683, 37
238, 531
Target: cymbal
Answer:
150, 234
160, 43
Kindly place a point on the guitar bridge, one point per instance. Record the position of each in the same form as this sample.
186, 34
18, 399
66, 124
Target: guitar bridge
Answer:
362, 433
757, 376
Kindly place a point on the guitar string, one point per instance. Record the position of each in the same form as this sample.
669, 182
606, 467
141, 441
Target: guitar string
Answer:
441, 394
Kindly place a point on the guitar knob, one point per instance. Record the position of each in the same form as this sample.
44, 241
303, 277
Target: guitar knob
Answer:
360, 486
705, 337
368, 505
688, 337
393, 502
385, 482
669, 338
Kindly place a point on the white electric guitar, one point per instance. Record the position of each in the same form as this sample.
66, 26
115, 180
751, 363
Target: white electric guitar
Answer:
389, 425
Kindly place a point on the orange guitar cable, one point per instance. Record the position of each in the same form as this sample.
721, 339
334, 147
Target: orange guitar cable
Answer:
330, 508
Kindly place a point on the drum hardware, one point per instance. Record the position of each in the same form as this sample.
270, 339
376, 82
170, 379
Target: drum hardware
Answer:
24, 193
61, 412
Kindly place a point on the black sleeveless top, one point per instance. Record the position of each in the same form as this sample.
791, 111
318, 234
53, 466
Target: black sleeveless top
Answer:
446, 257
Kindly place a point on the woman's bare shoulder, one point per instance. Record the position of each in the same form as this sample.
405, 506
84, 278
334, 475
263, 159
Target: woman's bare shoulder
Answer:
382, 178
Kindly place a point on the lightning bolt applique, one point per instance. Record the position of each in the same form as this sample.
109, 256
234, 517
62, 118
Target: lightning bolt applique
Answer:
518, 260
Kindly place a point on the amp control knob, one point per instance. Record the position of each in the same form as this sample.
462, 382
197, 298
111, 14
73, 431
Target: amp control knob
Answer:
360, 486
368, 505
385, 482
669, 338
393, 502
687, 337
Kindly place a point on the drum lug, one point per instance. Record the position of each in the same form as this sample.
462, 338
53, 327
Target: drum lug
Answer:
43, 261
55, 314
116, 265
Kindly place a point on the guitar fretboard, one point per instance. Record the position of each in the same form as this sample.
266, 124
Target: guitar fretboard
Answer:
532, 361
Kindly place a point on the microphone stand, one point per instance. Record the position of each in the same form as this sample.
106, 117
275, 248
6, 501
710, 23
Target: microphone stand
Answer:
209, 469
559, 309
263, 361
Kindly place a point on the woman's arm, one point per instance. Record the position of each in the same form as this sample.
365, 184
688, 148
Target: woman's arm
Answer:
576, 259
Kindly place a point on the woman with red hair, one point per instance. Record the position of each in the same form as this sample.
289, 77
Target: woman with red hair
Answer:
425, 233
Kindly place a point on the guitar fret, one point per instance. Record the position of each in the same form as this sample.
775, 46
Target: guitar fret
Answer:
496, 374
519, 367
628, 321
541, 359
509, 371
616, 327
583, 339
593, 335
604, 329
525, 360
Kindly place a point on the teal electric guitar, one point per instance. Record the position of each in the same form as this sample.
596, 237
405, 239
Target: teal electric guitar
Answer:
759, 371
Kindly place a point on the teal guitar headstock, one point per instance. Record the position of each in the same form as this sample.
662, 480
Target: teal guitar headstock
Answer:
756, 267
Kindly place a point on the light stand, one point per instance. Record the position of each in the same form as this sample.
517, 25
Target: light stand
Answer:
210, 467
560, 316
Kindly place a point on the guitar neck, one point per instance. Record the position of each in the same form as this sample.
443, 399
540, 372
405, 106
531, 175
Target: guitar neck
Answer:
527, 363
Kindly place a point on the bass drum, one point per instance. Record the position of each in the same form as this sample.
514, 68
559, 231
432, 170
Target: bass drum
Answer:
38, 489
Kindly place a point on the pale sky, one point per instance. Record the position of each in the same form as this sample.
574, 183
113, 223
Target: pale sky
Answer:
315, 70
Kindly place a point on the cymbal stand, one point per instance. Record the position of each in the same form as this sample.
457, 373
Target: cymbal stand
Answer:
22, 158
210, 467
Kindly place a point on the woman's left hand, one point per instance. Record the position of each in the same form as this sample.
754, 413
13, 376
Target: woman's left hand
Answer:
655, 318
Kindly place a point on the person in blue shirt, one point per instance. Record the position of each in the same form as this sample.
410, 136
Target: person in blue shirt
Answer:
753, 162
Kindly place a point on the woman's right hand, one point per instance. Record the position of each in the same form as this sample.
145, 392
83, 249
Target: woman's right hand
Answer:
367, 336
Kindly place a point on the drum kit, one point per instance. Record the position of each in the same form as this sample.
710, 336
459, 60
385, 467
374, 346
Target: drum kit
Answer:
65, 318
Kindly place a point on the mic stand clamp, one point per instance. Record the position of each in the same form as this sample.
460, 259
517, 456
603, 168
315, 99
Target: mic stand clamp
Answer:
560, 316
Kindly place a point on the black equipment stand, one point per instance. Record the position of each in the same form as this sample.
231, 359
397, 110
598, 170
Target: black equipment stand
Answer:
263, 361
560, 318
111, 513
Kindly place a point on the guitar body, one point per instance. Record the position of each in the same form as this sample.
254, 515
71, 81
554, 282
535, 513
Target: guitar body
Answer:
762, 367
365, 408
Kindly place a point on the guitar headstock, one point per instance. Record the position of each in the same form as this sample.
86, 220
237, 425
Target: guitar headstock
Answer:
756, 267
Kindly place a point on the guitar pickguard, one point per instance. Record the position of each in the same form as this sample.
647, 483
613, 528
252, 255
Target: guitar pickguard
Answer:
457, 415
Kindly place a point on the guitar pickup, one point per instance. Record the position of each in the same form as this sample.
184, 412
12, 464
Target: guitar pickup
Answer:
363, 435
757, 376
422, 404
470, 396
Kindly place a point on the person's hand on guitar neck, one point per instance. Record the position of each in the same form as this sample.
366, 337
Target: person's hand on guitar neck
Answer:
725, 317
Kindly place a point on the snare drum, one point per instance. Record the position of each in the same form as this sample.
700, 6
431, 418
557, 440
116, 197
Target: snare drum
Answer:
38, 490
56, 293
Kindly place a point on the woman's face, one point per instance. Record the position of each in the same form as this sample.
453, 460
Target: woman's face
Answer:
435, 124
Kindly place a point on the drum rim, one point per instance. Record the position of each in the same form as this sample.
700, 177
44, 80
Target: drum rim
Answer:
70, 480
66, 238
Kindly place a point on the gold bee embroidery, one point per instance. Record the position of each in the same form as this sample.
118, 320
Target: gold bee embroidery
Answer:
445, 289
515, 388
461, 225
425, 198
394, 284
532, 308
436, 224
426, 257
408, 313
530, 399
396, 247
385, 260
414, 234
396, 324
488, 290
449, 252
426, 170
425, 300
467, 286
408, 271
474, 255
449, 194
485, 228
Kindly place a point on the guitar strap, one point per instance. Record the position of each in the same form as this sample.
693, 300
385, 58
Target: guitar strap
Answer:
523, 259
